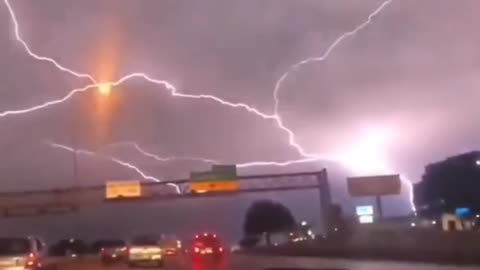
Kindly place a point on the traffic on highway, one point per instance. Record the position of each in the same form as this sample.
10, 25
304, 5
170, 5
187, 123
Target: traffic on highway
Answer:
239, 135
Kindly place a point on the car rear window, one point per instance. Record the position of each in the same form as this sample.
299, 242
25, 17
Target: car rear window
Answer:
145, 242
209, 241
12, 246
113, 243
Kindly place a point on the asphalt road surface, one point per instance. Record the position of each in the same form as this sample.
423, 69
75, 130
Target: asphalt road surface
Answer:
240, 262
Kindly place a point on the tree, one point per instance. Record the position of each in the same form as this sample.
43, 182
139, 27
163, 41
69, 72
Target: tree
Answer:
267, 217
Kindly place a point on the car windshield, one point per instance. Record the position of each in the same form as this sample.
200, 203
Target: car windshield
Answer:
13, 246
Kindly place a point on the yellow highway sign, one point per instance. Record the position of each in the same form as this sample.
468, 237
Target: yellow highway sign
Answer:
123, 189
209, 186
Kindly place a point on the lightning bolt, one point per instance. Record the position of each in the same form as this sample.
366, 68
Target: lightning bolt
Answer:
160, 158
168, 86
113, 159
144, 152
326, 54
306, 157
18, 37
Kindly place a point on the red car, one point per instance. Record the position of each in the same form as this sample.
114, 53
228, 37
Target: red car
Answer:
113, 251
207, 245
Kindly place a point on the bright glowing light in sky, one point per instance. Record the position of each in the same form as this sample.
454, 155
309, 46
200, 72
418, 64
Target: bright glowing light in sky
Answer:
365, 155
368, 152
105, 88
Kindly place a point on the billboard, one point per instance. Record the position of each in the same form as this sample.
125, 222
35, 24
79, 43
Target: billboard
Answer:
374, 185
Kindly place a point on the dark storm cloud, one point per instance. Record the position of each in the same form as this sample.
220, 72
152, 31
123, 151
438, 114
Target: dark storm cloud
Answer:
413, 69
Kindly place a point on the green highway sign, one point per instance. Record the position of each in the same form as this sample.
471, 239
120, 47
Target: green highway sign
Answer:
217, 173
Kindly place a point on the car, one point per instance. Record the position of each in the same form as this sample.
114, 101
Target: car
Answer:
69, 248
207, 245
145, 251
112, 251
171, 246
24, 253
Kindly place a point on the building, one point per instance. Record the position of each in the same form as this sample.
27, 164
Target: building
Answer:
450, 186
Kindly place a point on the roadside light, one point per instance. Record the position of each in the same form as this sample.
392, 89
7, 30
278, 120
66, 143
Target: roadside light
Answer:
413, 224
304, 223
477, 216
309, 232
434, 222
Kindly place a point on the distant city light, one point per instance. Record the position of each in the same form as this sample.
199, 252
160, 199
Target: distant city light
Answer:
477, 162
365, 219
477, 216
309, 232
364, 210
413, 224
434, 222
462, 211
304, 223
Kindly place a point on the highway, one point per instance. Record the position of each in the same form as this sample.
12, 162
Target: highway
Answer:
240, 262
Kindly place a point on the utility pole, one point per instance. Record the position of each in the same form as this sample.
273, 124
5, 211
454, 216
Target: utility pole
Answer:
325, 200
73, 131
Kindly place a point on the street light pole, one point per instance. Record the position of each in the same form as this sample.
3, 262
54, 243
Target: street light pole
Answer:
73, 131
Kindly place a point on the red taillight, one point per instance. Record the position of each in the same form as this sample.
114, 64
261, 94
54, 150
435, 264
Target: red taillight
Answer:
220, 249
31, 261
196, 250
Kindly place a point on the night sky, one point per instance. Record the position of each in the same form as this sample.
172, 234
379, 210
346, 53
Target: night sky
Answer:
401, 93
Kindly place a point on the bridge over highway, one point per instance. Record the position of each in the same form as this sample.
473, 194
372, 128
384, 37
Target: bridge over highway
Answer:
58, 201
